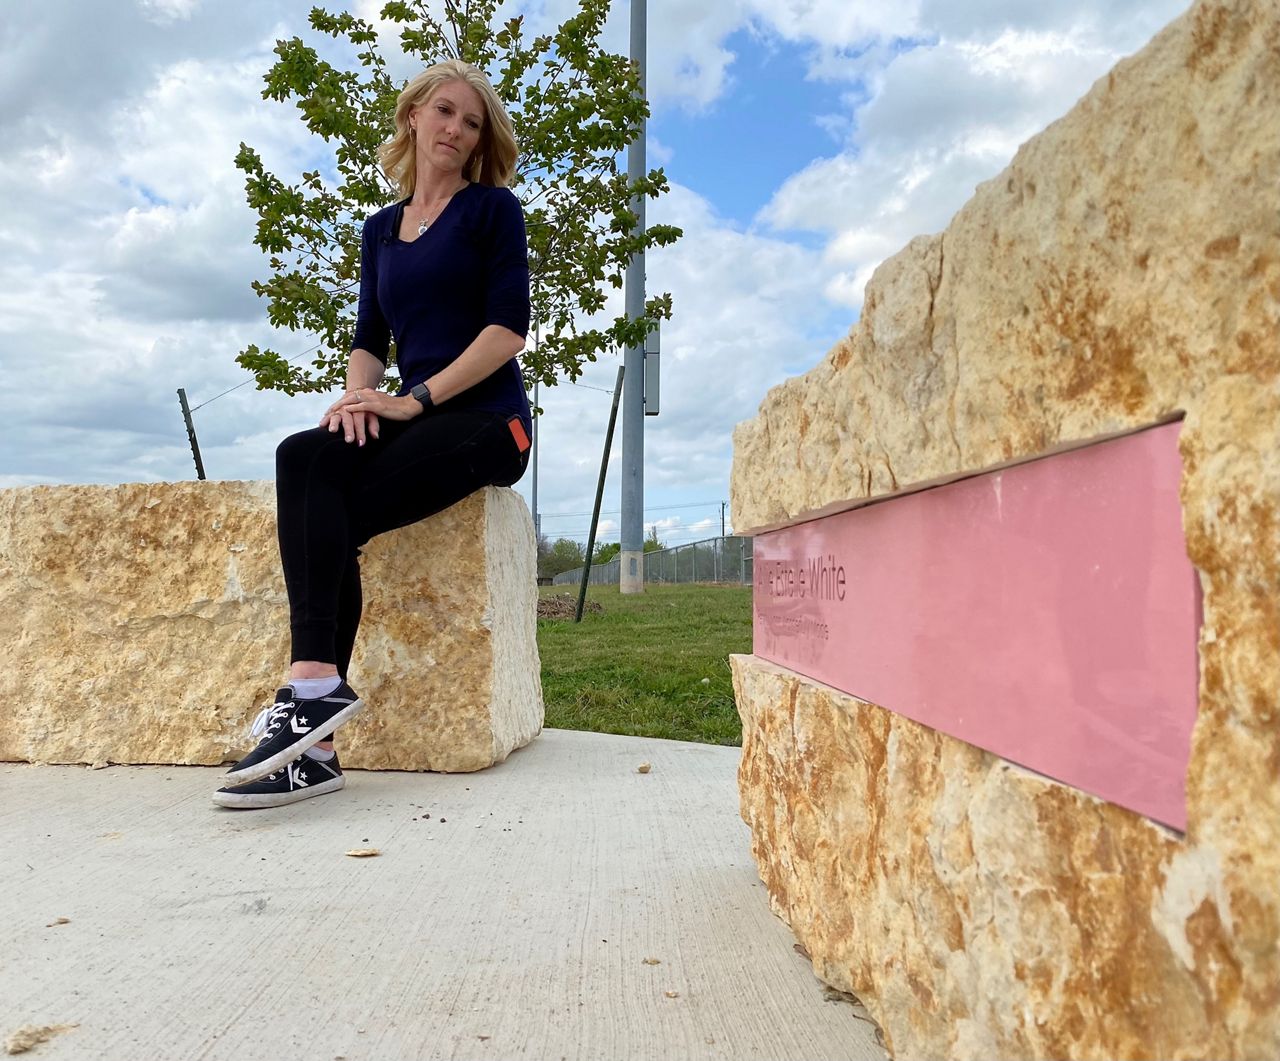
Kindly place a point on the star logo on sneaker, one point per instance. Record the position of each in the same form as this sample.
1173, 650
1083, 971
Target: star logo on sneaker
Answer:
303, 728
295, 775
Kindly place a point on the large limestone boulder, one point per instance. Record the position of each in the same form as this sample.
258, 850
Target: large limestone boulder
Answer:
148, 624
1123, 270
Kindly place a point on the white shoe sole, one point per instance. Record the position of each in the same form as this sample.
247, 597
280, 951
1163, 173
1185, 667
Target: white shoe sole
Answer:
251, 800
260, 770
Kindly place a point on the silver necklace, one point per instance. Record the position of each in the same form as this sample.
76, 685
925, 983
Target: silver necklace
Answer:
430, 219
425, 223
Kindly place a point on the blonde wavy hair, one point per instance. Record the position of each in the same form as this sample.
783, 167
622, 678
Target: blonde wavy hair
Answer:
493, 161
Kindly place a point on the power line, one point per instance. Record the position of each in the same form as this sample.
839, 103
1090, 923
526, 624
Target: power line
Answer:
312, 349
683, 530
683, 537
252, 379
616, 512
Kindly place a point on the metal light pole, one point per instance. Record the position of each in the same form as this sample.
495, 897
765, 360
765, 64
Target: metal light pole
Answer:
631, 567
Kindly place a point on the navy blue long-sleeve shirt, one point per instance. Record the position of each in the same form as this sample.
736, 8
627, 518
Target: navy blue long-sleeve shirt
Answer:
470, 269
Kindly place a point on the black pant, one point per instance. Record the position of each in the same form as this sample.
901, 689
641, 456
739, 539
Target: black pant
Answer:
332, 496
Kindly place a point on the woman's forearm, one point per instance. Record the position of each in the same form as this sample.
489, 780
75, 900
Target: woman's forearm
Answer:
490, 350
363, 370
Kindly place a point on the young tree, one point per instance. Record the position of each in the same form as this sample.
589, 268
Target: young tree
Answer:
606, 551
574, 106
651, 543
565, 554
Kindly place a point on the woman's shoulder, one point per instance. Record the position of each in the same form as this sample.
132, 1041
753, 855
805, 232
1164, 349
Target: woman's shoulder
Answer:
381, 220
495, 211
494, 199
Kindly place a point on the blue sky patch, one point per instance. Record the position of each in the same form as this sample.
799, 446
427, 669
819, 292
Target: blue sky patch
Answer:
764, 128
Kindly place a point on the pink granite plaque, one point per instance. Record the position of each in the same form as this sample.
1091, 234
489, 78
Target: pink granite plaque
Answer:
1046, 612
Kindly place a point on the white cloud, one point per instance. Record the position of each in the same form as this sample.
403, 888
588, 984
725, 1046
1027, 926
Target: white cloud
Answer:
1126, 21
179, 136
688, 61
835, 25
747, 315
125, 250
944, 116
688, 64
165, 11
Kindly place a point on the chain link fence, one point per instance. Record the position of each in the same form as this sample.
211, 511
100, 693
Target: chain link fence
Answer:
712, 560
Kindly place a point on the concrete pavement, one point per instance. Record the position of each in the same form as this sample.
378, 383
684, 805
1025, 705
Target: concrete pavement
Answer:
559, 905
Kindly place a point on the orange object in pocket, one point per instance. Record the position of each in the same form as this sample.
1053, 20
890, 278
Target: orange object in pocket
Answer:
519, 433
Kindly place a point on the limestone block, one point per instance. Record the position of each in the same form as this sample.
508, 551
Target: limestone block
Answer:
148, 624
1125, 269
980, 910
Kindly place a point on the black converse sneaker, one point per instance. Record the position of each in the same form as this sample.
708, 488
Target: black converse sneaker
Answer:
301, 779
290, 726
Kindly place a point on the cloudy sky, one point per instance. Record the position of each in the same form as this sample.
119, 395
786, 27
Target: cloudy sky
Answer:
805, 140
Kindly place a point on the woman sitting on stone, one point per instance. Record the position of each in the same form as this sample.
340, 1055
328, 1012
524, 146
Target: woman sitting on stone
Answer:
445, 271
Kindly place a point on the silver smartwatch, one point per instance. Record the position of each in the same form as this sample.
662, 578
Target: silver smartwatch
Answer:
423, 393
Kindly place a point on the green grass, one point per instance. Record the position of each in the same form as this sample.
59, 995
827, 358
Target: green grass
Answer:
639, 667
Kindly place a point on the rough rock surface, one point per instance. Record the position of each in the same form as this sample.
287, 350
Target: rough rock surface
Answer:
1124, 269
148, 623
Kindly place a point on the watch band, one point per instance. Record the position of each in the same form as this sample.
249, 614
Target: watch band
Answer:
423, 393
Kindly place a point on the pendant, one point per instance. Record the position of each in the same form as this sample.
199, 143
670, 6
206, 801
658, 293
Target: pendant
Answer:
423, 225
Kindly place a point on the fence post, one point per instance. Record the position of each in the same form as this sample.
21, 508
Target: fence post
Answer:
191, 432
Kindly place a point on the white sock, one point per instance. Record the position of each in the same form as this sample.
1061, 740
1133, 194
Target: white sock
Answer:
319, 754
310, 688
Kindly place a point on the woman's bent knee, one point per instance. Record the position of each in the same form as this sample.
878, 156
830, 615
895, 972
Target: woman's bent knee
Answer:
299, 451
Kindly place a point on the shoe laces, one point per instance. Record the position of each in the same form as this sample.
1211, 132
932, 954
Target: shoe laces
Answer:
271, 718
